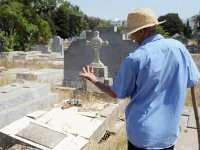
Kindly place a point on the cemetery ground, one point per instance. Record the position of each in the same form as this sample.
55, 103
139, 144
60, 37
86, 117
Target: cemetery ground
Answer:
117, 140
29, 84
11, 78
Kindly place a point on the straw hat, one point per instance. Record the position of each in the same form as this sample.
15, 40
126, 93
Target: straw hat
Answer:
140, 19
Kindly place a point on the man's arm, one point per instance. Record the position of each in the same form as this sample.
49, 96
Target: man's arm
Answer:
88, 74
105, 88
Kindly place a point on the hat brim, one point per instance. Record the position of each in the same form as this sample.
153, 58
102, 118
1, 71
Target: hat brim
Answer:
145, 26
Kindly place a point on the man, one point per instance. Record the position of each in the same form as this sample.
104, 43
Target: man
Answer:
155, 77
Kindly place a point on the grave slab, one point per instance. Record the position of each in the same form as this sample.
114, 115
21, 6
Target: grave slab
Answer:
41, 135
51, 76
21, 98
74, 129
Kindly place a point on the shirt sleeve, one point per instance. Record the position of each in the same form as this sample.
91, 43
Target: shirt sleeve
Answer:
193, 72
124, 83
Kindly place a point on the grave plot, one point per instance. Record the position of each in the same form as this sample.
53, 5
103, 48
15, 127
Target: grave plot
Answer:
52, 76
58, 129
18, 99
32, 59
6, 78
11, 73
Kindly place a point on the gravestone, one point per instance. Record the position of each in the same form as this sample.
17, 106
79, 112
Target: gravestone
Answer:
83, 35
57, 45
100, 70
79, 54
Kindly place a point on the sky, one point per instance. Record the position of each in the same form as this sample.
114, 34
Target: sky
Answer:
118, 9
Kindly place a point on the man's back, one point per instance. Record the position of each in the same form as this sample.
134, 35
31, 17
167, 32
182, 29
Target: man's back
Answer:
161, 70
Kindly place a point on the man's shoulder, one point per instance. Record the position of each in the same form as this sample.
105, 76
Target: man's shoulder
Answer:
138, 54
164, 43
174, 42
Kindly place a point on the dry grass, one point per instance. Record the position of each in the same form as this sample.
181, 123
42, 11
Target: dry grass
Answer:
86, 97
114, 142
6, 80
32, 64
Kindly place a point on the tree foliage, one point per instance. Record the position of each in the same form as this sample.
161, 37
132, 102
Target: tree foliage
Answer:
20, 22
160, 30
7, 42
196, 20
94, 22
187, 30
69, 20
26, 22
173, 23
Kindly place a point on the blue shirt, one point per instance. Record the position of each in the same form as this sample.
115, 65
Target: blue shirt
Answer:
156, 77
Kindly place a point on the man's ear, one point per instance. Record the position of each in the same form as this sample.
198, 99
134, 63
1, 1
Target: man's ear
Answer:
142, 32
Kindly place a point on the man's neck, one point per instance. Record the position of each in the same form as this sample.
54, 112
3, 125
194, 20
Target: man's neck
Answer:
146, 36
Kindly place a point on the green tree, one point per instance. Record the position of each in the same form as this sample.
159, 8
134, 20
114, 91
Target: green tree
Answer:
7, 43
196, 20
173, 23
44, 8
160, 30
187, 30
23, 24
69, 20
94, 22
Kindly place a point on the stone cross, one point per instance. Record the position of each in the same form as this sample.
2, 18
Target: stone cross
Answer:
96, 44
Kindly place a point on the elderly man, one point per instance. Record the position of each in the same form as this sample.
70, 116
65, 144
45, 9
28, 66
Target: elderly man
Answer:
155, 76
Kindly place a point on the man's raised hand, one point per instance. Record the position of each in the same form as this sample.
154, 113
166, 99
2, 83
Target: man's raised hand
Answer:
88, 74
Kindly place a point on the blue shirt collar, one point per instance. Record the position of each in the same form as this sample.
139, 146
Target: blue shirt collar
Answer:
152, 38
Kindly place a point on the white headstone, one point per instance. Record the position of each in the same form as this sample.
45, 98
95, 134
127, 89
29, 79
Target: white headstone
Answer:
57, 45
82, 35
115, 28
